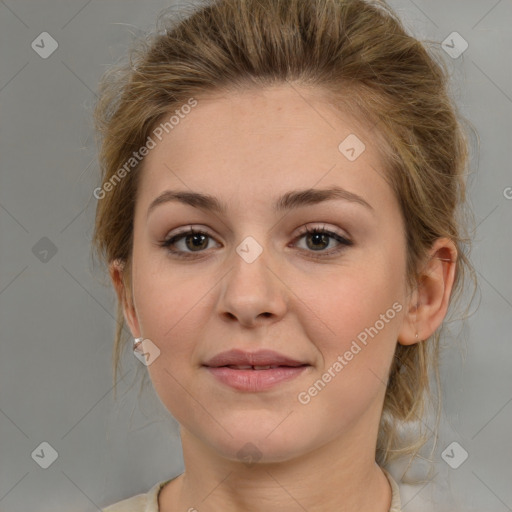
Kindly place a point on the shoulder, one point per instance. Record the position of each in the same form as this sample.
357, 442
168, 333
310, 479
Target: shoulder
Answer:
147, 502
133, 504
396, 505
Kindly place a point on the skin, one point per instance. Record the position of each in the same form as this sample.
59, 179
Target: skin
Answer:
247, 149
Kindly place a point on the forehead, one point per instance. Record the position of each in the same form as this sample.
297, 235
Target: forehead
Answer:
260, 141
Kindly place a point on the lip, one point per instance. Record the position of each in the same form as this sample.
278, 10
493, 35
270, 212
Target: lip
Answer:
254, 380
258, 358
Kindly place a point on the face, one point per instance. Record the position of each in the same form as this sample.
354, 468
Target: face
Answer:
253, 279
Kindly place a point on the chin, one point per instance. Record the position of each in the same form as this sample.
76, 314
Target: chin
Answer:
260, 440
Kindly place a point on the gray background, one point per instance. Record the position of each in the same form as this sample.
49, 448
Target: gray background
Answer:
57, 318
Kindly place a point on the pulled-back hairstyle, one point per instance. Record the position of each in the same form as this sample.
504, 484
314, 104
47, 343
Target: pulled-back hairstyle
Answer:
359, 55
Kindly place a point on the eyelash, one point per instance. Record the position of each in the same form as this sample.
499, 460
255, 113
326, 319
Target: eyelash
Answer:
344, 242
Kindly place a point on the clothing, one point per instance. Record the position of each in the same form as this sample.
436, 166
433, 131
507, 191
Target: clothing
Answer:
149, 502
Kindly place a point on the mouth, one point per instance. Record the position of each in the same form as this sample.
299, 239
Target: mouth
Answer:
258, 368
257, 378
259, 360
254, 371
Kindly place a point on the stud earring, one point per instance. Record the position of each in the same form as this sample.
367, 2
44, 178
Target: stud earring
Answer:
138, 341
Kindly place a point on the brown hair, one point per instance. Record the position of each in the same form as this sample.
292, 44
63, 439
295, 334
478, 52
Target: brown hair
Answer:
358, 53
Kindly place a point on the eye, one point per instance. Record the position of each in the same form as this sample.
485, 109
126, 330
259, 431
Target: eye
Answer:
318, 238
195, 240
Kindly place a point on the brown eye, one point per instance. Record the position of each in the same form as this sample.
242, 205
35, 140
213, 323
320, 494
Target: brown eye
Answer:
318, 239
194, 241
197, 241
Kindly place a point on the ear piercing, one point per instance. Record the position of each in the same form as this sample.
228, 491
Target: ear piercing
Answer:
138, 341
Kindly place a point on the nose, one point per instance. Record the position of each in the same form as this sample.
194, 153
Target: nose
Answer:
252, 292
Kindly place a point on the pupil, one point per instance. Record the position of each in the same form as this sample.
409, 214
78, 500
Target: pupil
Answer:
321, 236
195, 237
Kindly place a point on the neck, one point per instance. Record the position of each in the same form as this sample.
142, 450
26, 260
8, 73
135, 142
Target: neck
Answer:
339, 476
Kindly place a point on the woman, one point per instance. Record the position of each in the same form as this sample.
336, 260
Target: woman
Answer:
278, 211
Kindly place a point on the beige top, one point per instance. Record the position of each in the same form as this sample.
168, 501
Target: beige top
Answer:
149, 502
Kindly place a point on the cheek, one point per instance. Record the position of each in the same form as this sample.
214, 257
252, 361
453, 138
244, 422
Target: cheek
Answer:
355, 314
354, 324
170, 310
352, 299
173, 304
171, 313
163, 290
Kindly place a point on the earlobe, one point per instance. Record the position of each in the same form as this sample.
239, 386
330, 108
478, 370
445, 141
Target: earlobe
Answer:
429, 302
408, 334
116, 271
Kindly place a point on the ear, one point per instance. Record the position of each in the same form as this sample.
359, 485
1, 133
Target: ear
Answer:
427, 307
124, 296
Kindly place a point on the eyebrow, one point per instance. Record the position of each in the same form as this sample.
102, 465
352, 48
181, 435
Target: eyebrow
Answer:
288, 201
